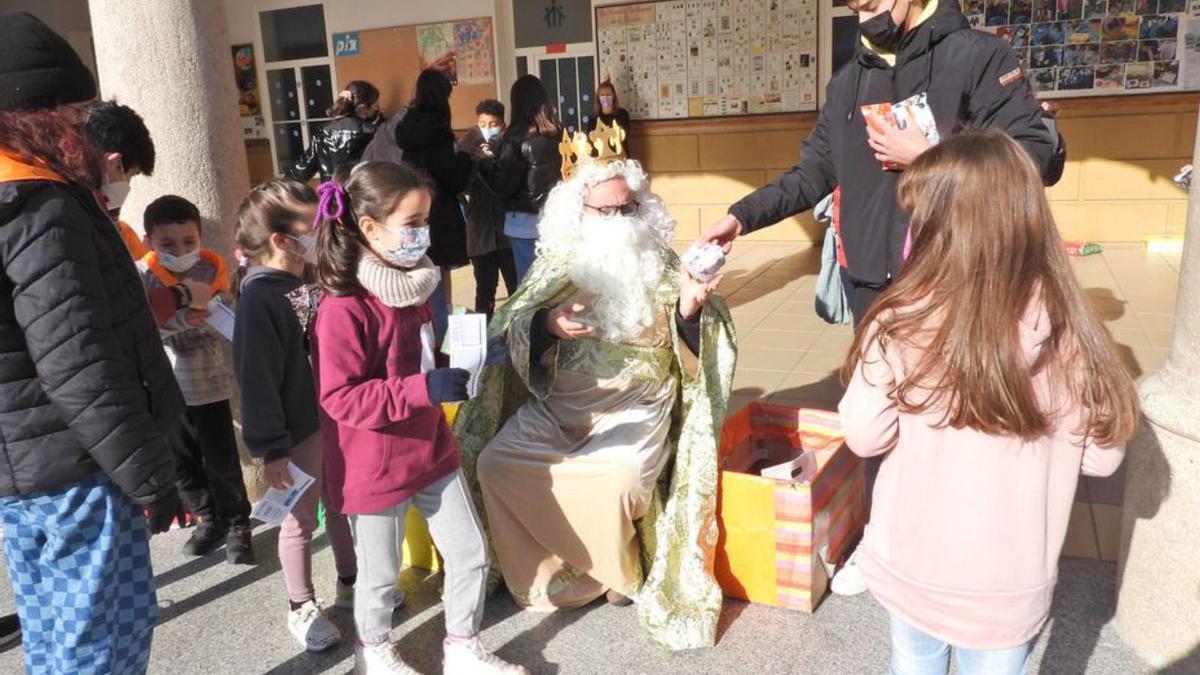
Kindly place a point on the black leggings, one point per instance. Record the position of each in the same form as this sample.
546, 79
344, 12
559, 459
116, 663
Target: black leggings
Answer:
208, 468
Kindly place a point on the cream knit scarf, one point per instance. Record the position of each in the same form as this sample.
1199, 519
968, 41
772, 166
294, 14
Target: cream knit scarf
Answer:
396, 287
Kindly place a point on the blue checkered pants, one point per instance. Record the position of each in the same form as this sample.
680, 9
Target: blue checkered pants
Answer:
79, 560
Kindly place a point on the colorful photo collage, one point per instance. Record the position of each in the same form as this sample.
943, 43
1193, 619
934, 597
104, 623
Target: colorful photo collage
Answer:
1099, 46
703, 58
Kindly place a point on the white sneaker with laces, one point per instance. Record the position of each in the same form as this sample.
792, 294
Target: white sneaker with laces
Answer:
468, 657
380, 659
312, 629
344, 598
849, 580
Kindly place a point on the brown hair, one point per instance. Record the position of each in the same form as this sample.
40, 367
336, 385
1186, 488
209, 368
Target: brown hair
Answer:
362, 94
47, 135
599, 109
270, 208
984, 244
374, 189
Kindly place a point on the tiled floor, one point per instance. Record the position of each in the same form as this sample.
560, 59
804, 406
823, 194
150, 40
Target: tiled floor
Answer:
789, 355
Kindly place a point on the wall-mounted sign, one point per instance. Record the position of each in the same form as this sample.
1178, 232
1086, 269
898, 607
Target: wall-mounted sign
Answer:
538, 23
346, 44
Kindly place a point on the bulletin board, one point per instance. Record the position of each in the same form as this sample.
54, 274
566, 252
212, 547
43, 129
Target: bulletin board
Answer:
671, 59
1098, 47
392, 58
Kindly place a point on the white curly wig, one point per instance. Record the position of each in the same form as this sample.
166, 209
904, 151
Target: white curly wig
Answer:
620, 260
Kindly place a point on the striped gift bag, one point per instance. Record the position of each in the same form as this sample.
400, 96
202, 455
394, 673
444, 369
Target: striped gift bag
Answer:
772, 531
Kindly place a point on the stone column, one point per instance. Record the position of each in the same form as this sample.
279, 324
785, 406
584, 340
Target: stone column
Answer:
171, 62
1158, 596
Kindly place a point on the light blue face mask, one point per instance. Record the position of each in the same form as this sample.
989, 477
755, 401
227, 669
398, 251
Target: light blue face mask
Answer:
414, 242
490, 133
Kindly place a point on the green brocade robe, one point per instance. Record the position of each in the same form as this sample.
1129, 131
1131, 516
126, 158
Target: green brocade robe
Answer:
679, 601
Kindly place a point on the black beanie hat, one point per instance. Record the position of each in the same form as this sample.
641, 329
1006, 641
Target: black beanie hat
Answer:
38, 69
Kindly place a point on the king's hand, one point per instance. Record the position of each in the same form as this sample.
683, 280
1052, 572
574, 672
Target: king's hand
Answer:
693, 294
564, 325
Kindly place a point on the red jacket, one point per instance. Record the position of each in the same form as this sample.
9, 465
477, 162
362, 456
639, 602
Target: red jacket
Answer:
384, 439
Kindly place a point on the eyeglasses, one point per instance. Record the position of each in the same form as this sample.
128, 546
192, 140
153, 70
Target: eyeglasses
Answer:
627, 209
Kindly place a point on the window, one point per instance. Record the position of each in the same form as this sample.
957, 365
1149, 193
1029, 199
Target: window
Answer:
293, 33
299, 77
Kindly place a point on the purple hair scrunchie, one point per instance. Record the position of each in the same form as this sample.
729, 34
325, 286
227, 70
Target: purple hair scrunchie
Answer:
331, 204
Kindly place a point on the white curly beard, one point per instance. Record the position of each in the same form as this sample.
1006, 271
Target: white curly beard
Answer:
620, 261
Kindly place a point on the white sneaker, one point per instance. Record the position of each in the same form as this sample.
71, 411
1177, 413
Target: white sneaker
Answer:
470, 658
849, 580
380, 659
312, 629
344, 598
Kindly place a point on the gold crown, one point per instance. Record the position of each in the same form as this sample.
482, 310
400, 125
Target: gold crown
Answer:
602, 145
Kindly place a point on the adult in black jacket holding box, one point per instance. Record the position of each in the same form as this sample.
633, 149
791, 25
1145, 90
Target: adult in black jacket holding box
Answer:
86, 391
907, 47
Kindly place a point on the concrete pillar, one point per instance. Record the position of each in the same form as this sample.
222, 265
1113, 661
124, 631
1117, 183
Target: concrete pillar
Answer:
171, 62
1158, 601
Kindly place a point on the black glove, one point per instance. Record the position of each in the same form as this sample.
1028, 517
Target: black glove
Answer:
447, 385
162, 512
497, 351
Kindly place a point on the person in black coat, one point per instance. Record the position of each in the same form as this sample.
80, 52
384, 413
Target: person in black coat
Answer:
87, 391
428, 143
971, 80
527, 167
489, 250
343, 139
608, 110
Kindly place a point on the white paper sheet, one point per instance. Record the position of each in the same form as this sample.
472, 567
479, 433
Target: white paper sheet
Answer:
276, 503
467, 337
221, 318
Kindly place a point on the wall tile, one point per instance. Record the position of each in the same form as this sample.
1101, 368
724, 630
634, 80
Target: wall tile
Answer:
750, 150
668, 153
1147, 136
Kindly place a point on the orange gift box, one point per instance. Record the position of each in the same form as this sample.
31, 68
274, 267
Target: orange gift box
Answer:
772, 531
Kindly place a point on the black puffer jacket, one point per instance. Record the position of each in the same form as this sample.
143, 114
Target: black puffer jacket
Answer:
341, 141
525, 171
84, 383
429, 145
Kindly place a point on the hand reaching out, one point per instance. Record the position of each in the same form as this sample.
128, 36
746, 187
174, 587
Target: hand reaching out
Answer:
694, 293
722, 232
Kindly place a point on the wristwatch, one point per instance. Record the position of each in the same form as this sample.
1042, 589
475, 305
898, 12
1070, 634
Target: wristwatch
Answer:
183, 296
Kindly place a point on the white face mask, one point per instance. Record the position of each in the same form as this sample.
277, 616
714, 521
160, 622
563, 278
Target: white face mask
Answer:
414, 242
179, 264
309, 242
115, 194
606, 102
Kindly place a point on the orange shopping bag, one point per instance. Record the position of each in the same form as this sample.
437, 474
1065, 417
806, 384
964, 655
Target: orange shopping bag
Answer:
773, 529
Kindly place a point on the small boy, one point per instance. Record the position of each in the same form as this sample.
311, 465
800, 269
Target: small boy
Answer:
207, 462
487, 247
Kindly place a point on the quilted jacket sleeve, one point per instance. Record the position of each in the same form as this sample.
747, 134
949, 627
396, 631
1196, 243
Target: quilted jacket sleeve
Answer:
61, 304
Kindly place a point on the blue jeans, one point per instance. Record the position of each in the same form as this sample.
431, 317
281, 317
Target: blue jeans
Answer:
524, 253
440, 305
915, 653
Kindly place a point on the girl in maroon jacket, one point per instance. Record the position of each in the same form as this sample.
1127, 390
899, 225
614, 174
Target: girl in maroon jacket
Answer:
387, 444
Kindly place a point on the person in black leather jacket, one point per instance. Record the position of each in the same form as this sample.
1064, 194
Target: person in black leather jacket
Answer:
527, 167
428, 143
342, 140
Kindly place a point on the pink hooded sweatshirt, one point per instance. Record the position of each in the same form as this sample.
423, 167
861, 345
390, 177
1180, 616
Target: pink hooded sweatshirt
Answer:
966, 528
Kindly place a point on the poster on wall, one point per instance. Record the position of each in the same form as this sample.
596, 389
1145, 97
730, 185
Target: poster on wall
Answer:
246, 77
473, 51
706, 58
1098, 47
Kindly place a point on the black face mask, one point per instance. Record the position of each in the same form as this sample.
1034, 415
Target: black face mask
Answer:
882, 31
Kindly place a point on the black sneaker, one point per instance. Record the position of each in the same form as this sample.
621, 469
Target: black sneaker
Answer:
239, 550
209, 535
10, 630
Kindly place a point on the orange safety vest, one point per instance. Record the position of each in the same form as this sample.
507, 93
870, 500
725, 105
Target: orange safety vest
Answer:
132, 241
220, 282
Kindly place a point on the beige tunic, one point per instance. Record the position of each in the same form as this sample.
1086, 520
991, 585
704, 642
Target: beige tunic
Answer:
566, 478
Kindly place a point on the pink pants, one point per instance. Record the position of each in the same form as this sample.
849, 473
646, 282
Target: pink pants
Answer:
295, 535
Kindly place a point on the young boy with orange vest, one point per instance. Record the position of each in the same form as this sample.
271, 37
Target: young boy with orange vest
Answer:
207, 463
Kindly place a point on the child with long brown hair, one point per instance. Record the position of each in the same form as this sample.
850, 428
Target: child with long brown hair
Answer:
990, 385
387, 443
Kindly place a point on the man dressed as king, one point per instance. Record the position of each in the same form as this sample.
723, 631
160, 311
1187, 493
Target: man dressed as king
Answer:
595, 446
